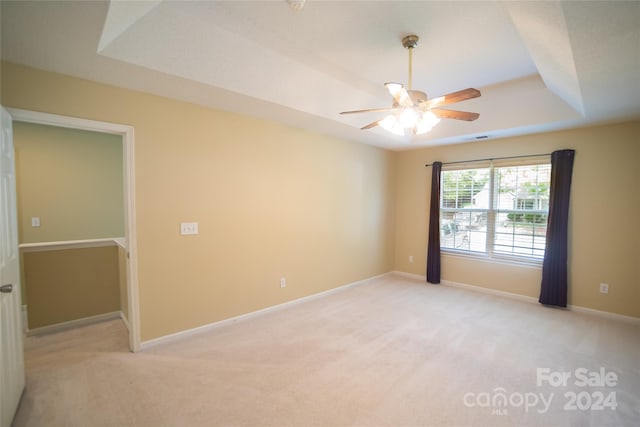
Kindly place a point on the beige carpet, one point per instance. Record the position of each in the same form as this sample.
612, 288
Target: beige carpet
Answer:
394, 352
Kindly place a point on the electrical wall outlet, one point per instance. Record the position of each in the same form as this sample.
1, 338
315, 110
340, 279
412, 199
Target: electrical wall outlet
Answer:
604, 288
283, 282
35, 221
188, 228
410, 259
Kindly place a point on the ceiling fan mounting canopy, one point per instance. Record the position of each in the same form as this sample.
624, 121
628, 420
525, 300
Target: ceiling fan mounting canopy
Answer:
410, 41
412, 112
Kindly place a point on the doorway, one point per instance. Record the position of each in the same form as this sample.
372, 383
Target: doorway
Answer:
129, 244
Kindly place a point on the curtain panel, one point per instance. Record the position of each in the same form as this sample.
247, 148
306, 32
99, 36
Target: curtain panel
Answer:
433, 247
553, 289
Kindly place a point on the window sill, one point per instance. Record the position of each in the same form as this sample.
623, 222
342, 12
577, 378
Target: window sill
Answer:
503, 260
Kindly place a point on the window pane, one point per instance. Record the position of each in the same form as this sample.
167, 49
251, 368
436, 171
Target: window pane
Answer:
464, 230
520, 234
523, 187
465, 189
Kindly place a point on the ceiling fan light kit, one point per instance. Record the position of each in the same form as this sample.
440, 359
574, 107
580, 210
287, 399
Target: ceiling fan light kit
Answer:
409, 121
412, 113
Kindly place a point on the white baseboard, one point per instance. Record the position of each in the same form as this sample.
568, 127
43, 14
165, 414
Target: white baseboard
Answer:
59, 327
605, 314
410, 275
124, 320
200, 329
525, 298
505, 294
469, 287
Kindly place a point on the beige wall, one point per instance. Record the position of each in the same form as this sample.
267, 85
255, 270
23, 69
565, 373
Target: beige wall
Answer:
270, 200
275, 201
604, 242
71, 284
71, 180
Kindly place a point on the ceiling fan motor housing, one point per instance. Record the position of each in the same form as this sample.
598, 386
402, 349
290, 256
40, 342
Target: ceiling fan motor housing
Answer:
417, 96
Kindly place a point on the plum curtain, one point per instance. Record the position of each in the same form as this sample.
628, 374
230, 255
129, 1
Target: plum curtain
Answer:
553, 290
433, 247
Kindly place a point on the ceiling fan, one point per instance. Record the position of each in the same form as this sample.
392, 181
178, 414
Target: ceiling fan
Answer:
412, 113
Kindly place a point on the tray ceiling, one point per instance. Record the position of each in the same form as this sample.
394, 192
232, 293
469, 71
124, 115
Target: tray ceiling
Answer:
540, 65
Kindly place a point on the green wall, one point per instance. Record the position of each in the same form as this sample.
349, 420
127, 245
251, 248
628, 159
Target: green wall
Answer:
72, 180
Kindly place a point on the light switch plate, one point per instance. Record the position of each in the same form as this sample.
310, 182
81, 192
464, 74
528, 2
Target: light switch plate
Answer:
188, 228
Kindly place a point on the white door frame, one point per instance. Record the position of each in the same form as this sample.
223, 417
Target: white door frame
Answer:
133, 316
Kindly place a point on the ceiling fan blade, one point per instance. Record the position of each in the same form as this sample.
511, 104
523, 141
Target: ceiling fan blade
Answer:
371, 110
370, 125
461, 95
453, 114
399, 94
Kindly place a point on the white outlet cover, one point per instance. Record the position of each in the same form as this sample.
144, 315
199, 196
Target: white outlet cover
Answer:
187, 228
35, 221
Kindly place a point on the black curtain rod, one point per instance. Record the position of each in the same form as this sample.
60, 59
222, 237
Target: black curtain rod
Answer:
493, 158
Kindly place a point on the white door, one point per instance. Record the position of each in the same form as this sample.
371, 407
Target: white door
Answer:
11, 350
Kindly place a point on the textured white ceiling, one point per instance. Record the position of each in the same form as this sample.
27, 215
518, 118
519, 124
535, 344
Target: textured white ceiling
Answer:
540, 65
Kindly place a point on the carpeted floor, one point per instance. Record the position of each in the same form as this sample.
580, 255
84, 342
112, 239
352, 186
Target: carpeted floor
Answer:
390, 353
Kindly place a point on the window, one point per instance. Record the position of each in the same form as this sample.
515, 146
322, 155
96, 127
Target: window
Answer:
497, 210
